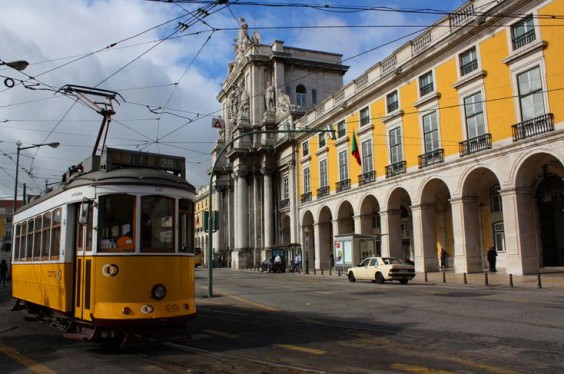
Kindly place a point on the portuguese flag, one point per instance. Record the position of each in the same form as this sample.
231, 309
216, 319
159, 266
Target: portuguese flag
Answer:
354, 149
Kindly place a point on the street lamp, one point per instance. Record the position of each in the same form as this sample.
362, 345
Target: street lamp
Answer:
20, 148
18, 65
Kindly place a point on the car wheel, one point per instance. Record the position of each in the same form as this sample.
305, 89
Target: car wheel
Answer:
380, 278
351, 277
403, 281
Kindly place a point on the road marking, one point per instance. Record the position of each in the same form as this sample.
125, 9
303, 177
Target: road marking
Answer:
301, 349
221, 333
490, 368
28, 363
419, 369
249, 302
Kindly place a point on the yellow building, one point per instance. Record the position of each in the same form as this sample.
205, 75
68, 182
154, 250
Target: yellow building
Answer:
460, 141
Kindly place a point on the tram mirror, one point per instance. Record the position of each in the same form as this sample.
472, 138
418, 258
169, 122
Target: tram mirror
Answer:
84, 217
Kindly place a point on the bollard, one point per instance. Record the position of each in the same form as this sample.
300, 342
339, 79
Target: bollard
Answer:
486, 277
465, 281
339, 271
539, 284
314, 272
321, 271
329, 271
426, 277
444, 277
510, 280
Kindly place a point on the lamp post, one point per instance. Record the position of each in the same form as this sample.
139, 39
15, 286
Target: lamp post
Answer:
20, 148
18, 65
217, 158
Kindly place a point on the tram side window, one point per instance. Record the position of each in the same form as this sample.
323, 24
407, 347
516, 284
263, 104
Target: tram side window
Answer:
37, 238
56, 234
186, 229
157, 224
116, 223
19, 240
29, 240
46, 236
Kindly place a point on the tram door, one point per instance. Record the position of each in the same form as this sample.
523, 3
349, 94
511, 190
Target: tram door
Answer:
83, 261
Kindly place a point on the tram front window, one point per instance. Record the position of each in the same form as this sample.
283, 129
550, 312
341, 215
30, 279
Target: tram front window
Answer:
115, 223
157, 224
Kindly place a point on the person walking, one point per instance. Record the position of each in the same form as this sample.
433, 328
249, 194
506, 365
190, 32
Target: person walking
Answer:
297, 263
492, 254
3, 273
444, 256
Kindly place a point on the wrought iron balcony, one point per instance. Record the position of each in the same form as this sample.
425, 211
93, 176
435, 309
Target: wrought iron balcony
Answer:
285, 203
524, 39
430, 158
343, 185
468, 67
533, 127
395, 169
323, 191
475, 145
305, 197
367, 177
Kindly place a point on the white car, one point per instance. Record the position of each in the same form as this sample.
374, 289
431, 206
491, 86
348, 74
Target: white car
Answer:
382, 269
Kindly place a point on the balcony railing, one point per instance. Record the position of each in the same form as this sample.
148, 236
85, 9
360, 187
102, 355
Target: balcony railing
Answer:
305, 197
475, 145
343, 185
469, 67
366, 178
426, 89
323, 191
395, 169
524, 39
430, 158
285, 203
533, 127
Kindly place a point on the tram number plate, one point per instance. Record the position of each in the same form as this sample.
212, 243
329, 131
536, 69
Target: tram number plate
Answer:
172, 308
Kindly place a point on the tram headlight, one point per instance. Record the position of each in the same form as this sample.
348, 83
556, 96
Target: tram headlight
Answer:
158, 292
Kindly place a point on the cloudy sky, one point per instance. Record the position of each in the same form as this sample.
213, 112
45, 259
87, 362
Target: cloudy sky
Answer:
167, 61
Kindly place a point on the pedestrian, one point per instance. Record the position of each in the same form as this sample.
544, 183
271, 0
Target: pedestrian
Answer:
277, 264
492, 254
3, 273
444, 256
297, 263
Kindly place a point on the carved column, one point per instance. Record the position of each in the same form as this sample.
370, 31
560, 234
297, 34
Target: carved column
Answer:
268, 209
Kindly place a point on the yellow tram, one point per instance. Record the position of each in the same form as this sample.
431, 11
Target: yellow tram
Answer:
110, 249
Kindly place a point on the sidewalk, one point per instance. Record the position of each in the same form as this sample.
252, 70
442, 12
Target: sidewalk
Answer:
550, 278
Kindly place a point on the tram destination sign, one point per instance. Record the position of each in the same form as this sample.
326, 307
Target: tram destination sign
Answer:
113, 158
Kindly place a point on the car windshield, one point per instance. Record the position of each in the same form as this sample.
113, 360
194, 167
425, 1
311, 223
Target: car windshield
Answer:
392, 260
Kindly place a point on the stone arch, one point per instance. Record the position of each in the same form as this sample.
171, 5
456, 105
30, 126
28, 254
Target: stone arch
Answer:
539, 212
308, 239
399, 223
479, 214
435, 220
345, 218
370, 221
324, 250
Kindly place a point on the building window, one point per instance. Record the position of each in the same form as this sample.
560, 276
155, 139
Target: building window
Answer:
307, 181
305, 148
468, 61
322, 139
530, 94
364, 116
301, 96
323, 178
396, 153
431, 132
367, 164
343, 166
474, 113
341, 129
499, 236
285, 187
314, 96
495, 198
523, 32
392, 101
426, 84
